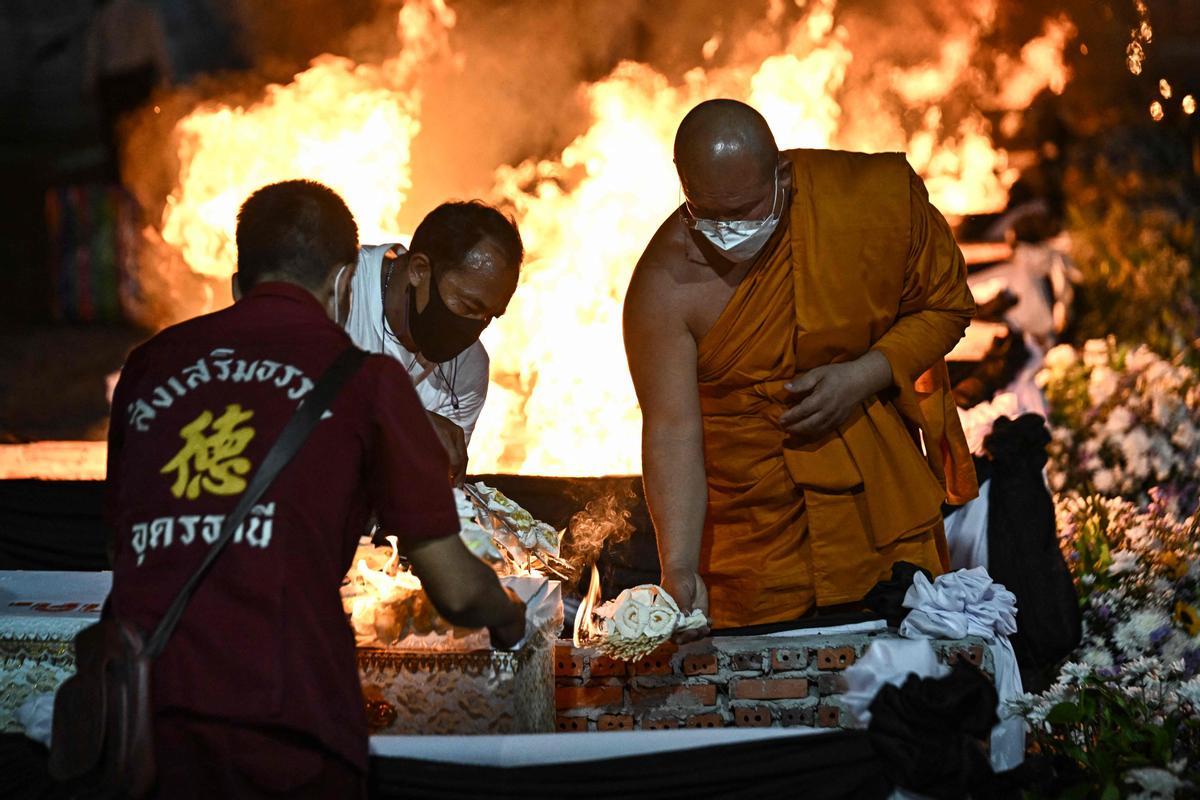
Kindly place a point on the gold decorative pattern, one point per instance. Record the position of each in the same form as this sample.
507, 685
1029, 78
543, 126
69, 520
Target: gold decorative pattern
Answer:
58, 652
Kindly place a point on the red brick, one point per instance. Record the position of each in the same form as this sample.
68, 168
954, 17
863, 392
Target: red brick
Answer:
828, 716
605, 667
568, 662
615, 722
658, 662
695, 695
571, 724
972, 655
835, 657
831, 683
746, 662
660, 723
712, 720
752, 717
700, 664
587, 696
792, 717
769, 688
783, 660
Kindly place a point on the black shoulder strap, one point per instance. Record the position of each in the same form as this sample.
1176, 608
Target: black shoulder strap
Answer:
294, 434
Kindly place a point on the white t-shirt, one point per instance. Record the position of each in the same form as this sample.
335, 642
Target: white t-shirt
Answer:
466, 376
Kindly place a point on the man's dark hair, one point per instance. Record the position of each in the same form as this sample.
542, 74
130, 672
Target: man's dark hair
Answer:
453, 229
294, 230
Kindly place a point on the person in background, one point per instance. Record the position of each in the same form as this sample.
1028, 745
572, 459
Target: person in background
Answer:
125, 58
257, 694
427, 306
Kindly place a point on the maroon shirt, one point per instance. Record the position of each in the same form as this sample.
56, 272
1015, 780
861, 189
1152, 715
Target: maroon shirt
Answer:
264, 640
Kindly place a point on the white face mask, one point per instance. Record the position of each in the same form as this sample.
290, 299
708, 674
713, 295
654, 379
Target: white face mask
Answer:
739, 239
334, 305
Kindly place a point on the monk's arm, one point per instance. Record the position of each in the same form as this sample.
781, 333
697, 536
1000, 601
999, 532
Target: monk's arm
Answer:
662, 362
936, 306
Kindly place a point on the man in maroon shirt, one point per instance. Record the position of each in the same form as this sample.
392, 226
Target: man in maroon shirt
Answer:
257, 692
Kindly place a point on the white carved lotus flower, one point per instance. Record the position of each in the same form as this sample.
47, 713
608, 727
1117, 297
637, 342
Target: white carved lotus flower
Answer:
640, 619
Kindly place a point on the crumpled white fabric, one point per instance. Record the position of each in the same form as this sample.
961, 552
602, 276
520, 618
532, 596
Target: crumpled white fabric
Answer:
967, 531
886, 661
969, 603
36, 717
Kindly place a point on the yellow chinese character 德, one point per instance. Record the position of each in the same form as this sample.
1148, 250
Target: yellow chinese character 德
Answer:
211, 460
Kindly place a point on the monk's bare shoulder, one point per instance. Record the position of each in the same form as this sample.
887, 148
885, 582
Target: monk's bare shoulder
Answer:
655, 287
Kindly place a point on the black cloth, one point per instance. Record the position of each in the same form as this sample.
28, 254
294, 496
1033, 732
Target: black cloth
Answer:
834, 765
52, 525
931, 732
886, 598
1023, 552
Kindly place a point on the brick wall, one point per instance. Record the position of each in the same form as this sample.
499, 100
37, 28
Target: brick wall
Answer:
720, 682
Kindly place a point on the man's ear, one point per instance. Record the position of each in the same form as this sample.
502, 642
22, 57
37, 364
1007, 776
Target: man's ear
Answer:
236, 287
419, 268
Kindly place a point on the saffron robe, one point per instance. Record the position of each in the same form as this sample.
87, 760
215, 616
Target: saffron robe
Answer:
862, 261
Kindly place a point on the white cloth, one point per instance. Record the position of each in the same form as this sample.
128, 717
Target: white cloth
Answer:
969, 603
887, 661
967, 531
1022, 396
36, 717
466, 376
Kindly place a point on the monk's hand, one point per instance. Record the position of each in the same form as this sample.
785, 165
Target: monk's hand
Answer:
826, 396
454, 440
689, 591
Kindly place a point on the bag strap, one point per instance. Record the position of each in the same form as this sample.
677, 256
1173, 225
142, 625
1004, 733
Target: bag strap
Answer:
294, 434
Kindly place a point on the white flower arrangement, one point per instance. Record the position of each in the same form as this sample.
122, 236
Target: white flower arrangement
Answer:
1138, 572
1124, 420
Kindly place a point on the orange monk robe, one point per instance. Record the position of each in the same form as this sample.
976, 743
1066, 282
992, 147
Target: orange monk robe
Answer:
861, 261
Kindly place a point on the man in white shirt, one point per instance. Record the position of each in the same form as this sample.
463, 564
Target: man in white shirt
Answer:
427, 306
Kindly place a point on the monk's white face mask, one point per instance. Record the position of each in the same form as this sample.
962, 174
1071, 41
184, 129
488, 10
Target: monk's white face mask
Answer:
739, 239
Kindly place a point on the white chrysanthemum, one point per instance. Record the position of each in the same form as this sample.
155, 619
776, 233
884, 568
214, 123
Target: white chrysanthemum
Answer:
1097, 657
1101, 385
1123, 561
1104, 480
1155, 783
1184, 435
1140, 359
1095, 353
1190, 693
1133, 634
1120, 420
1061, 357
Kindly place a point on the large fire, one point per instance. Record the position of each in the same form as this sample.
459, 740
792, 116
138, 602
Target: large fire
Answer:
561, 402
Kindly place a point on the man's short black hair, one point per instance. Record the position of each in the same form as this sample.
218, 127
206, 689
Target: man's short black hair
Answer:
453, 229
294, 230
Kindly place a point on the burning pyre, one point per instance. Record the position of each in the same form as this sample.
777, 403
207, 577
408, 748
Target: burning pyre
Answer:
385, 600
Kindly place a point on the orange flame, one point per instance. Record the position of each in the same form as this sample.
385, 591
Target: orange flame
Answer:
584, 627
561, 401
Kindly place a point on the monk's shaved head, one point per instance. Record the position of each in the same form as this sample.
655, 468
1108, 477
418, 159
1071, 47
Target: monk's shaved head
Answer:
722, 136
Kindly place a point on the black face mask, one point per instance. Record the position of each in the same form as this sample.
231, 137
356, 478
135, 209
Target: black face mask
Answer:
438, 332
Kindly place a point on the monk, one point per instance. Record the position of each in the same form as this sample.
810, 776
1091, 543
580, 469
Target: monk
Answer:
785, 330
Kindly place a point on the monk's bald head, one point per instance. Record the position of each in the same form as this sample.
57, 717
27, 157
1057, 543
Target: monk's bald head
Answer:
722, 139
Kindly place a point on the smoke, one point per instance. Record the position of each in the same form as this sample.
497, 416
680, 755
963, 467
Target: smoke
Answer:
605, 520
